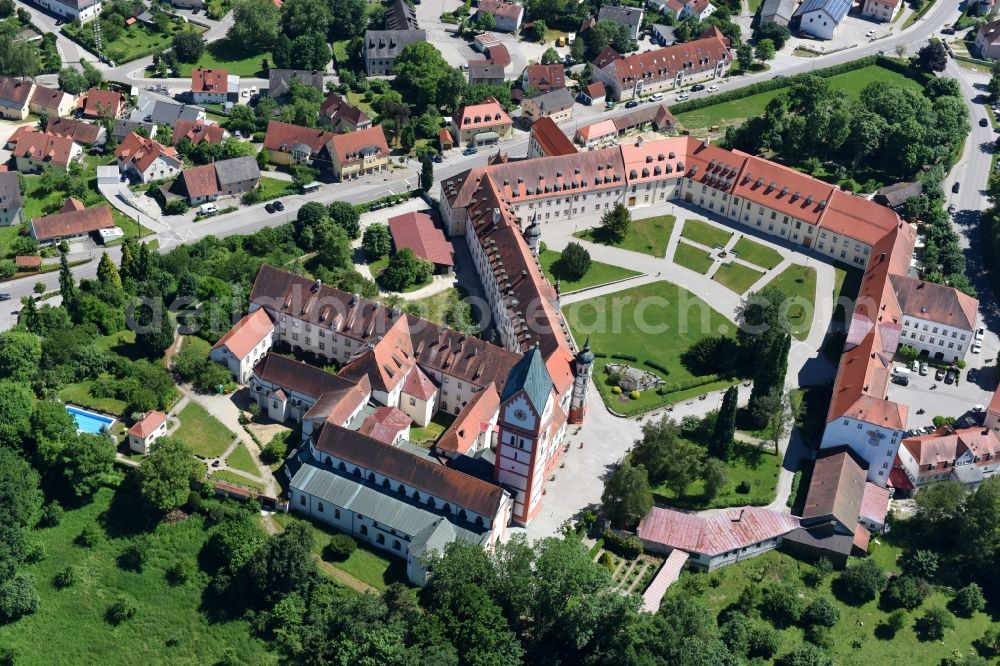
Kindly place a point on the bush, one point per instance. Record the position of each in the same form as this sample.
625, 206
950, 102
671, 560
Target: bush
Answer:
905, 592
120, 611
194, 501
969, 600
821, 612
634, 395
66, 577
819, 636
762, 642
920, 563
780, 603
52, 514
340, 548
625, 357
607, 562
88, 537
628, 547
862, 582
35, 552
18, 597
932, 625
744, 487
616, 390
175, 207
133, 556
177, 574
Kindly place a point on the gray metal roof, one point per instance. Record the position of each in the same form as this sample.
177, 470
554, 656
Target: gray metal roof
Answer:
236, 170
557, 99
388, 43
164, 111
10, 190
531, 375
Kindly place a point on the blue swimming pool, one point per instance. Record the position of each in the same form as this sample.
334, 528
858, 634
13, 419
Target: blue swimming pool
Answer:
89, 421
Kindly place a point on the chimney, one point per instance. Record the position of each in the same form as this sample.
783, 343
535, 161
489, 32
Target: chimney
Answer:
317, 284
496, 216
638, 142
881, 257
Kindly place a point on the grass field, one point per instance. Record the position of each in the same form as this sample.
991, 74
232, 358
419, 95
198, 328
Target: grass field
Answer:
853, 639
656, 321
79, 394
707, 234
433, 430
170, 625
272, 188
223, 55
135, 41
204, 433
597, 275
242, 459
692, 257
756, 253
798, 282
649, 236
365, 563
738, 110
759, 467
225, 476
737, 277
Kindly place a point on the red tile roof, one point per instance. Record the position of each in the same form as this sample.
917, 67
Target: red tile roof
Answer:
385, 424
336, 107
875, 503
939, 450
503, 8
25, 261
247, 333
600, 129
660, 64
42, 147
209, 80
419, 385
48, 98
102, 103
200, 181
197, 131
73, 223
283, 136
148, 424
337, 406
485, 115
544, 77
417, 232
715, 534
142, 152
14, 92
498, 54
595, 90
836, 490
474, 419
936, 302
71, 204
550, 138
78, 130
363, 142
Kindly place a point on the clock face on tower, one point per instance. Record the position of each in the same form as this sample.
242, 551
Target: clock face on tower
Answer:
520, 414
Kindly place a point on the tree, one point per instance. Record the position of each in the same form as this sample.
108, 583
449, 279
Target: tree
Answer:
538, 30
376, 241
310, 217
821, 612
308, 51
666, 456
616, 222
20, 354
155, 332
933, 57
551, 57
969, 600
188, 45
424, 77
744, 56
780, 603
769, 377
863, 581
340, 547
166, 474
714, 475
91, 74
72, 81
107, 273
920, 563
20, 496
301, 17
932, 625
256, 26
346, 217
764, 50
405, 269
427, 175
16, 400
725, 425
285, 564
905, 592
993, 87
805, 655
18, 597
573, 263
351, 19
88, 463
627, 496
979, 531
776, 32
67, 285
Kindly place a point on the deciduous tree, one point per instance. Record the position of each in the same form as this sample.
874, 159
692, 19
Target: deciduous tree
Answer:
627, 496
616, 222
166, 474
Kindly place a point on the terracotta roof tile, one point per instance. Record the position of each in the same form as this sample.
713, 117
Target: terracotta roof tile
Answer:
148, 424
200, 181
246, 334
551, 138
209, 80
417, 232
722, 532
385, 424
419, 385
197, 131
72, 223
363, 142
474, 419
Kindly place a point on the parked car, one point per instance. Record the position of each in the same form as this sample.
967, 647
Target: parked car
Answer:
4, 297
438, 159
980, 332
949, 378
698, 86
656, 97
929, 429
951, 209
682, 97
983, 122
916, 366
978, 408
631, 104
471, 150
955, 187
713, 88
939, 375
977, 347
947, 31
973, 374
279, 206
924, 370
269, 208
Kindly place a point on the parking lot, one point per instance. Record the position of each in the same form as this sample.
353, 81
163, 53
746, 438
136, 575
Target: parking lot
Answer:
955, 399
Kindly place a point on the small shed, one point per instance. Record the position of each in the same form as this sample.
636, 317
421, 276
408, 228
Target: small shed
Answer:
28, 262
445, 139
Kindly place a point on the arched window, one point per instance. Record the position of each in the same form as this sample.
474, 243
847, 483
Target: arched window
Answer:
380, 538
462, 514
396, 545
371, 476
342, 467
364, 530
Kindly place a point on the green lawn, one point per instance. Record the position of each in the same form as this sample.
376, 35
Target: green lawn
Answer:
737, 277
170, 625
853, 638
657, 322
692, 257
135, 41
649, 235
225, 476
754, 5
597, 275
738, 110
204, 433
79, 394
756, 253
223, 55
758, 466
272, 188
433, 430
798, 282
367, 564
242, 459
707, 234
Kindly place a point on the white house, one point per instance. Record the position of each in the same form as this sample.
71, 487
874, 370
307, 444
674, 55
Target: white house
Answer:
873, 430
244, 345
821, 18
72, 9
968, 456
213, 86
147, 430
938, 321
146, 160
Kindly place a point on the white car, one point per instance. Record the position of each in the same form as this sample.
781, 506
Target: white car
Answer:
713, 88
656, 97
682, 97
978, 408
980, 332
977, 347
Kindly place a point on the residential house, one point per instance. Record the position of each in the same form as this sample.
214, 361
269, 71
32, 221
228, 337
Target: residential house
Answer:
484, 41
290, 144
987, 44
72, 224
663, 34
84, 10
359, 153
600, 134
546, 140
593, 94
968, 456
213, 86
84, 133
508, 15
881, 10
147, 430
416, 232
486, 72
383, 46
225, 178
556, 104
198, 131
245, 344
287, 389
145, 159
51, 102
187, 4
11, 202
938, 321
342, 116
682, 9
159, 111
895, 195
497, 54
777, 11
35, 151
483, 124
123, 127
821, 18
15, 98
543, 78
630, 17
279, 81
97, 103
626, 77
713, 541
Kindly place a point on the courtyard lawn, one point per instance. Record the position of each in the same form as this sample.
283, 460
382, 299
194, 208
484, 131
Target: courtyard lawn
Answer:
204, 433
434, 308
242, 459
225, 476
597, 275
366, 564
736, 111
757, 253
79, 394
649, 235
223, 55
272, 188
798, 282
737, 277
707, 234
135, 41
692, 257
853, 640
747, 463
430, 433
173, 624
657, 322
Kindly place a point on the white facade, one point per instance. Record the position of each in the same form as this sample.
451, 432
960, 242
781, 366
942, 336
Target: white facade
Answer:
706, 562
160, 168
935, 340
242, 367
418, 409
83, 10
876, 445
142, 444
819, 24
608, 75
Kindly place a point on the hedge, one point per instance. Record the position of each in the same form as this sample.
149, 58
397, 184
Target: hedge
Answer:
656, 366
599, 355
689, 384
627, 547
625, 357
